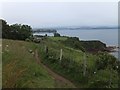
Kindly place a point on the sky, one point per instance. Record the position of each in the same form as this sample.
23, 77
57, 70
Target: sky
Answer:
54, 14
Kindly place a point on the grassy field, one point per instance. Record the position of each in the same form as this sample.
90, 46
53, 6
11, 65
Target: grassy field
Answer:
54, 44
57, 38
73, 65
20, 68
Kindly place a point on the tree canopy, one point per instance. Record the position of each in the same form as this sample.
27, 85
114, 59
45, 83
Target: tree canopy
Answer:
15, 31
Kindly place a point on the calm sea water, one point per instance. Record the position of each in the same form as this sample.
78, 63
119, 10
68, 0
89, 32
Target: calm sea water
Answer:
107, 36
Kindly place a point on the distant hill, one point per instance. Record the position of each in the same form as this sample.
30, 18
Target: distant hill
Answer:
76, 28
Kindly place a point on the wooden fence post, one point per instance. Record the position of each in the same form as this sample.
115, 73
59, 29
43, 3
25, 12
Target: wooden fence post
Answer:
46, 49
61, 53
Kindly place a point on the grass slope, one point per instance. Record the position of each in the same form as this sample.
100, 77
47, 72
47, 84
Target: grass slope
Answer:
20, 68
72, 65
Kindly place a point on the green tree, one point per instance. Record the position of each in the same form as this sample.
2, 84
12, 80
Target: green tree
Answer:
6, 32
21, 32
15, 31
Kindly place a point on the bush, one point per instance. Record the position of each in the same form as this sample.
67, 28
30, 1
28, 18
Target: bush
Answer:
93, 46
74, 42
56, 35
105, 60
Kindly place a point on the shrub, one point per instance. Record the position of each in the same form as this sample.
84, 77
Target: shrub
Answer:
56, 35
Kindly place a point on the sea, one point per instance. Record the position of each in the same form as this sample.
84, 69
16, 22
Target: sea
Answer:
107, 36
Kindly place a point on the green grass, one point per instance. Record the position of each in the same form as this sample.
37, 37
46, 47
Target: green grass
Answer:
54, 45
104, 76
58, 38
20, 68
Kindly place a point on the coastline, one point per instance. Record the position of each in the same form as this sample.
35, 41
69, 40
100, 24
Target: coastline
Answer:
113, 50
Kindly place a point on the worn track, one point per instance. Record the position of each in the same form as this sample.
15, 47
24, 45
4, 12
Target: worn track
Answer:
58, 79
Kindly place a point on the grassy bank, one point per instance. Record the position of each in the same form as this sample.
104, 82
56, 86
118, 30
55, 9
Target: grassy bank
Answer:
82, 68
98, 68
20, 69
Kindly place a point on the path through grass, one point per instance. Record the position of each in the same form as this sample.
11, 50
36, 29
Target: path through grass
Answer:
21, 70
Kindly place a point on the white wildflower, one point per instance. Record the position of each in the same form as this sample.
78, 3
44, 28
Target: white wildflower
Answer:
94, 72
117, 66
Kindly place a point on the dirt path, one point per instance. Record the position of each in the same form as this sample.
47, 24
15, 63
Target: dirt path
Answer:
59, 80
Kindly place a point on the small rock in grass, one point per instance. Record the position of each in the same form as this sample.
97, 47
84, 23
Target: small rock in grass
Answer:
117, 67
30, 51
34, 74
7, 45
33, 53
6, 48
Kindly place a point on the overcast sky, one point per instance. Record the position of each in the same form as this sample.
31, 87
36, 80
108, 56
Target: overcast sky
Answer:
51, 14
